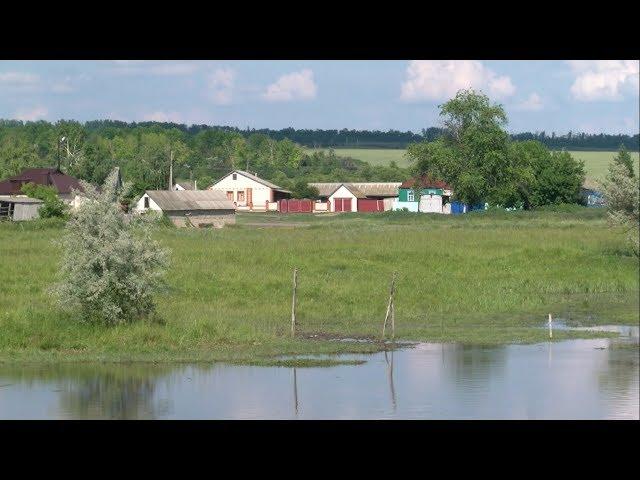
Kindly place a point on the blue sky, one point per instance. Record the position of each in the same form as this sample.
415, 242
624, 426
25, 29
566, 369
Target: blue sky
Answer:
590, 96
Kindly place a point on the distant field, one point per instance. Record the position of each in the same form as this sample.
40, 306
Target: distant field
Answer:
596, 163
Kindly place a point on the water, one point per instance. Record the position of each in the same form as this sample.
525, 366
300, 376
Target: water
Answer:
575, 379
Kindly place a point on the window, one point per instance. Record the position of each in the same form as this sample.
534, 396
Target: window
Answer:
235, 176
240, 196
230, 195
146, 202
410, 196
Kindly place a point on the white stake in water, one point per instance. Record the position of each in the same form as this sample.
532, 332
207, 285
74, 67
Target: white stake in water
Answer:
550, 328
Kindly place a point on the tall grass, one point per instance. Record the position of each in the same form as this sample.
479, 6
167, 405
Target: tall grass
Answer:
482, 277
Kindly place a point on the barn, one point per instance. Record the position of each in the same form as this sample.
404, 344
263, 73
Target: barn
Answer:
197, 208
250, 192
358, 196
19, 207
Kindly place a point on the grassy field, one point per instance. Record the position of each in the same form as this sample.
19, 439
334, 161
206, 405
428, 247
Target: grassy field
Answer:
596, 163
481, 278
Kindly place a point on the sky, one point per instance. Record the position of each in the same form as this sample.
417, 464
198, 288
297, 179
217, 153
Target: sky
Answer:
586, 96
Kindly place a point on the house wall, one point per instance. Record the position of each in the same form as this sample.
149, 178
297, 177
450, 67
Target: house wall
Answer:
25, 211
343, 192
202, 218
404, 193
152, 205
260, 193
411, 206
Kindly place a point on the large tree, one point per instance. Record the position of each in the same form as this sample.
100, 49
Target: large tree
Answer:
477, 157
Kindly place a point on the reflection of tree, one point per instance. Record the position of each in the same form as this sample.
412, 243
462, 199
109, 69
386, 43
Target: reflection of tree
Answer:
390, 377
619, 374
474, 364
101, 391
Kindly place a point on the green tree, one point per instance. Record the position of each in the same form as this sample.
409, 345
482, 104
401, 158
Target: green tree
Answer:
52, 206
624, 158
301, 189
110, 266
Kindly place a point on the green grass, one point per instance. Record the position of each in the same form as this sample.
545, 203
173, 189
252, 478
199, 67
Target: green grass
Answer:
596, 163
483, 278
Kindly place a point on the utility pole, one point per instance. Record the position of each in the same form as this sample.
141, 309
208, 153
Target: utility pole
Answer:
171, 170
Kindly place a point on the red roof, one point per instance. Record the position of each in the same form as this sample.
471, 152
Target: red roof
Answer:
40, 176
426, 181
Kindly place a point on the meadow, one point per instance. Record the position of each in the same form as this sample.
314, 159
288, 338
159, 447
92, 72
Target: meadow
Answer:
596, 163
482, 278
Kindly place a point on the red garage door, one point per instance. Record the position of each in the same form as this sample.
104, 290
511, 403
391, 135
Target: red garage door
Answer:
370, 205
342, 204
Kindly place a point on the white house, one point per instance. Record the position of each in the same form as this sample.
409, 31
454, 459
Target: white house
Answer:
248, 191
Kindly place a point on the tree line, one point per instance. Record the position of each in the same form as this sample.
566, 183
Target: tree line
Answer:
328, 138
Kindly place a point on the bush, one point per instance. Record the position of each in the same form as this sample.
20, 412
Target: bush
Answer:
110, 267
52, 207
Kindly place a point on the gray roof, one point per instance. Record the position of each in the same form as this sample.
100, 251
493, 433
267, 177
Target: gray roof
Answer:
19, 199
255, 178
186, 184
191, 199
360, 189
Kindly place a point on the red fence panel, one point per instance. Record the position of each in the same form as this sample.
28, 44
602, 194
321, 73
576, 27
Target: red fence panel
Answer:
370, 205
294, 205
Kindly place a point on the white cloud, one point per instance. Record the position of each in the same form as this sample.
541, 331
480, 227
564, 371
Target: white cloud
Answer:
152, 67
441, 79
292, 86
220, 86
532, 104
18, 79
160, 116
32, 114
604, 79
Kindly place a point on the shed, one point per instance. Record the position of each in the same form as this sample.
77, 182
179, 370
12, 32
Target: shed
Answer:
19, 207
198, 208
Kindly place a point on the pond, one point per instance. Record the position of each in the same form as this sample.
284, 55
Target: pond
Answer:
575, 379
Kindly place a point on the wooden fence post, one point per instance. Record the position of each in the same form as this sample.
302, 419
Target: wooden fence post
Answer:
390, 309
293, 302
550, 327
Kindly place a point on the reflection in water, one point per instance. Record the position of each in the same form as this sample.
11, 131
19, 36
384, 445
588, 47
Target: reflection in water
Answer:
569, 379
295, 391
390, 377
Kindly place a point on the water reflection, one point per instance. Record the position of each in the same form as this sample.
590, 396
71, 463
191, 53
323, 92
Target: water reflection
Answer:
595, 378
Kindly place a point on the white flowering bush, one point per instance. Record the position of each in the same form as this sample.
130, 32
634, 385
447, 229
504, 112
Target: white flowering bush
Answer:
111, 268
622, 197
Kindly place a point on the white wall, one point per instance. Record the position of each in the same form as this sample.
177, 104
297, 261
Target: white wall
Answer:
260, 193
152, 205
343, 192
430, 203
411, 206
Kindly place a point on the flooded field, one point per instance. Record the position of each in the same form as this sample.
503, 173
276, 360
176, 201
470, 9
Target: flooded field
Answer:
575, 379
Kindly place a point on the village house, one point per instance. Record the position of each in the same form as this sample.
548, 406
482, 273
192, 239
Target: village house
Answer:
358, 196
435, 196
197, 208
250, 192
15, 205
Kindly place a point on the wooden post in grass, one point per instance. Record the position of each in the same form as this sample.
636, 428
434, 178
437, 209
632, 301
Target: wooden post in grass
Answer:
550, 327
293, 302
390, 309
